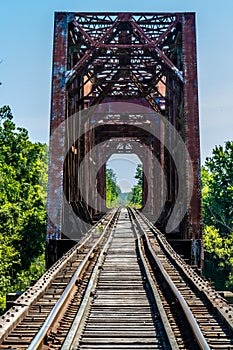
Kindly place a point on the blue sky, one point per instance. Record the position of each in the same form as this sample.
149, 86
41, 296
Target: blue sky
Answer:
26, 29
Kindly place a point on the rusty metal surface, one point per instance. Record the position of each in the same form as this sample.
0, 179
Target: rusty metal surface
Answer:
58, 115
192, 134
145, 59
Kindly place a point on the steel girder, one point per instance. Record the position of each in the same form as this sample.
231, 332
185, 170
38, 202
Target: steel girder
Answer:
145, 57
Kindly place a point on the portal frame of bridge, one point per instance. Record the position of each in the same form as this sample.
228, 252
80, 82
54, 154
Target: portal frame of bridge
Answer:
143, 58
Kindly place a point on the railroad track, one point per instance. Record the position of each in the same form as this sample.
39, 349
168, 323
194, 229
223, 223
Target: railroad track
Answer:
121, 313
20, 324
129, 290
187, 298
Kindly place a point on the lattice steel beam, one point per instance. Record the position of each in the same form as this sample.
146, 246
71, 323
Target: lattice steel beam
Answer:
144, 57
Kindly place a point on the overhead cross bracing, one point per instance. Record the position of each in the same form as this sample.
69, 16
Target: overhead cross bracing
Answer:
124, 55
130, 80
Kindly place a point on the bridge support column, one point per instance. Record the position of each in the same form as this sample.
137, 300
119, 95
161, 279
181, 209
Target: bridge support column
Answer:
58, 115
192, 132
192, 122
57, 137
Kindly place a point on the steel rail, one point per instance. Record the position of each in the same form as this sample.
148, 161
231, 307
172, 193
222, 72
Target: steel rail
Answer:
77, 325
188, 313
73, 337
38, 339
167, 327
36, 291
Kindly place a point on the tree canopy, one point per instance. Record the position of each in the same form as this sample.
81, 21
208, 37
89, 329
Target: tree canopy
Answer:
217, 204
217, 178
23, 189
135, 196
112, 190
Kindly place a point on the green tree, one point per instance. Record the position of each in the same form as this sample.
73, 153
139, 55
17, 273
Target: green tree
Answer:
217, 204
112, 190
23, 188
219, 257
217, 179
135, 196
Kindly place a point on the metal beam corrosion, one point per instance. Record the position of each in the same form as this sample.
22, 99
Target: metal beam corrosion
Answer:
192, 134
143, 59
58, 115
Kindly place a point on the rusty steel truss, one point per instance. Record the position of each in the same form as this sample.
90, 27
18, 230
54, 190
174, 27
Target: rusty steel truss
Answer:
103, 61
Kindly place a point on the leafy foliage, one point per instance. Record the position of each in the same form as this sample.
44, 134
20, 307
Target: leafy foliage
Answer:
213, 241
217, 203
220, 252
112, 190
23, 182
135, 196
217, 177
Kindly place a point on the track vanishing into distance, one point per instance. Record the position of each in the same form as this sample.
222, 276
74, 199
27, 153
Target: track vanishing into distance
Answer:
121, 287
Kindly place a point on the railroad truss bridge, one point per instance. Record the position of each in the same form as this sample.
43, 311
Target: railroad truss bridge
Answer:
122, 279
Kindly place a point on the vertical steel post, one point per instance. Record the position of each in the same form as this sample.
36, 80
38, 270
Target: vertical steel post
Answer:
177, 85
58, 115
192, 121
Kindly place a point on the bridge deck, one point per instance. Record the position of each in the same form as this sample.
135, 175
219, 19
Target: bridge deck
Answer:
121, 287
120, 316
